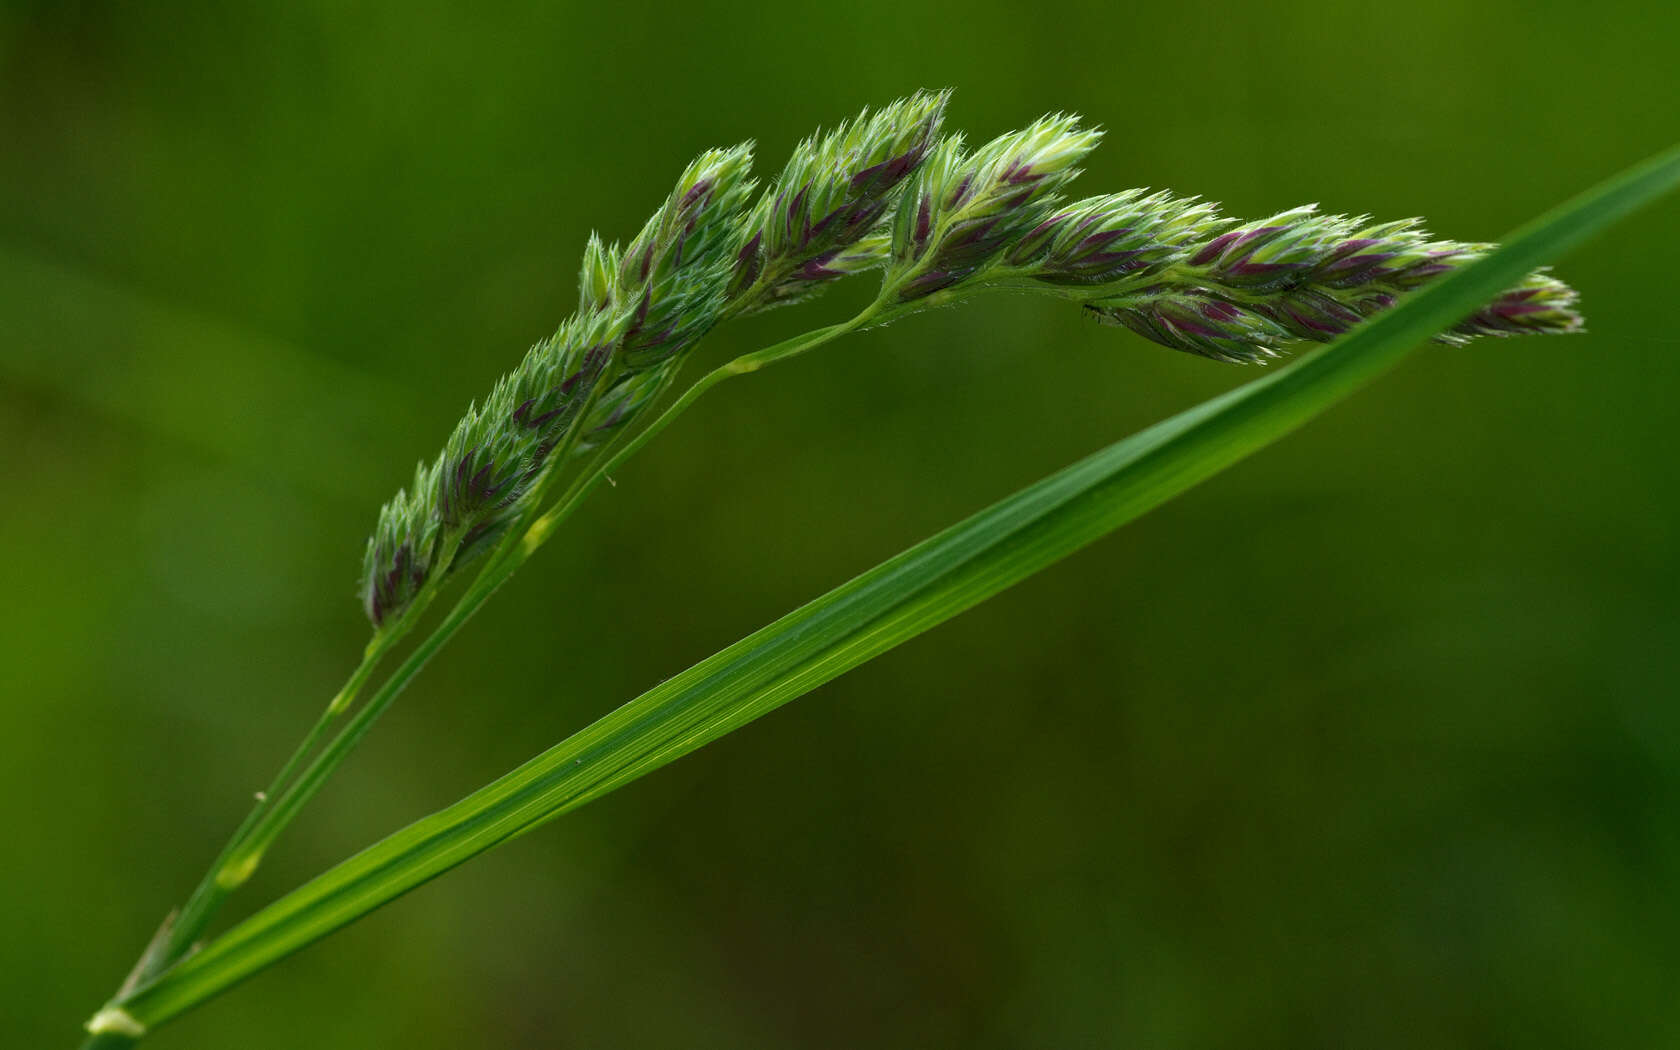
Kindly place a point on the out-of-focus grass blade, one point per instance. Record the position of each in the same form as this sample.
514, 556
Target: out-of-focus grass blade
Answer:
890, 604
269, 408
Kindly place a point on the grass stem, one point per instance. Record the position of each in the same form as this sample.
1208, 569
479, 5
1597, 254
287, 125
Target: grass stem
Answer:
290, 791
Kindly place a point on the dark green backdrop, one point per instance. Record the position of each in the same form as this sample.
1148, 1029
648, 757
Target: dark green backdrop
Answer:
1371, 742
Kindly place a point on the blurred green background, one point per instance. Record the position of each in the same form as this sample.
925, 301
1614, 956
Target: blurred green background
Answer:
1373, 741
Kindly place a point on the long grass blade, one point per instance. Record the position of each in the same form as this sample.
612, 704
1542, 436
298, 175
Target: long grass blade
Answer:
886, 606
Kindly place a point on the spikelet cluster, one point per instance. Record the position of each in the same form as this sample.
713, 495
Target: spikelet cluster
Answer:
1099, 241
886, 190
1300, 275
822, 219
674, 274
459, 502
965, 209
639, 308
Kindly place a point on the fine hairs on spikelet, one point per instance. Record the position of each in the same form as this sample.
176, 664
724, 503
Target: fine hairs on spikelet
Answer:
889, 190
822, 219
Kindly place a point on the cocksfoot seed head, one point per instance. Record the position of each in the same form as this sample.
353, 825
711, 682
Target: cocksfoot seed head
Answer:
885, 191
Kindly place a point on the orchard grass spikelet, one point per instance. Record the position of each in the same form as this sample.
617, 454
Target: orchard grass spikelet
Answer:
673, 278
1102, 240
597, 276
399, 554
1540, 305
822, 218
674, 274
887, 190
964, 210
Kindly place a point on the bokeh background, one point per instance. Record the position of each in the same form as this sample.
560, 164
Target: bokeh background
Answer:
1373, 741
